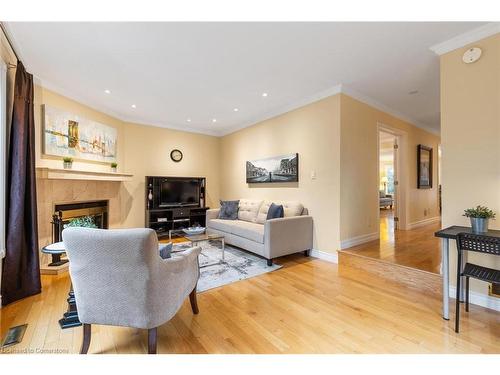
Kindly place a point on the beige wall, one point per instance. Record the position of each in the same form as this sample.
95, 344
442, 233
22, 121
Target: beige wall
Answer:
470, 130
147, 153
358, 169
142, 150
314, 132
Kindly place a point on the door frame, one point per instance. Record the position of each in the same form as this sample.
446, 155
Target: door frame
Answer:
401, 201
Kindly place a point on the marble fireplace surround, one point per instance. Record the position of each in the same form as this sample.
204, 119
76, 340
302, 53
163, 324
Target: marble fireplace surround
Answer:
56, 191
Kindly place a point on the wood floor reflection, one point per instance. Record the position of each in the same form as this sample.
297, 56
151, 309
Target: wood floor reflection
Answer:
416, 248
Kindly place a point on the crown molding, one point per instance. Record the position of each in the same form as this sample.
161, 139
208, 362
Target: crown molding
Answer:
466, 38
382, 107
278, 111
127, 119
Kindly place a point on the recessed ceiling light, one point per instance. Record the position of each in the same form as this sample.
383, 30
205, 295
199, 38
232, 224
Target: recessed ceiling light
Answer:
107, 91
188, 120
264, 94
413, 92
214, 120
133, 106
236, 109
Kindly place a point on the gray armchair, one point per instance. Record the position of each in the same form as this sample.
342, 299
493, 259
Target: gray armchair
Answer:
119, 279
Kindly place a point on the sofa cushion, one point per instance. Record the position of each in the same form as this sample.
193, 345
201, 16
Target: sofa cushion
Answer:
248, 209
275, 211
228, 210
221, 224
245, 229
290, 208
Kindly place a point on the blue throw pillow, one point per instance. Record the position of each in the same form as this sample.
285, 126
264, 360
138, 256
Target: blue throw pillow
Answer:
275, 211
228, 210
165, 250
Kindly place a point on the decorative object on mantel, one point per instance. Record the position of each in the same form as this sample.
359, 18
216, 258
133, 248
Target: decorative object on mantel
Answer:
67, 134
113, 167
479, 218
284, 168
424, 167
67, 162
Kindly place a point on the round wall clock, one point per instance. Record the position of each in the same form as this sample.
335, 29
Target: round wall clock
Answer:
176, 155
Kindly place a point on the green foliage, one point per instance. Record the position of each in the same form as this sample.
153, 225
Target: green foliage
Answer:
480, 212
67, 159
84, 221
114, 165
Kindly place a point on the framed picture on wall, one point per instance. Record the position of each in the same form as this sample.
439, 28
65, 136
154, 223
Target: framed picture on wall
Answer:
424, 167
283, 168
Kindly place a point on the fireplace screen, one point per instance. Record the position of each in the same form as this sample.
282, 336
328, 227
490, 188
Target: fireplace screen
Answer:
63, 213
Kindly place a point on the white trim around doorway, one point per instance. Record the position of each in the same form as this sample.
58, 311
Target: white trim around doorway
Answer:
401, 202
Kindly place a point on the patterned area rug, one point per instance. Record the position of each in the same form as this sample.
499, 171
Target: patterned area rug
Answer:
237, 265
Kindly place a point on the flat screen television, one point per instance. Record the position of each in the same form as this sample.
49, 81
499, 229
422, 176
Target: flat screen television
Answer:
179, 192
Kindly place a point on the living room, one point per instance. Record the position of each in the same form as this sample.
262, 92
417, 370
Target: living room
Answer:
259, 174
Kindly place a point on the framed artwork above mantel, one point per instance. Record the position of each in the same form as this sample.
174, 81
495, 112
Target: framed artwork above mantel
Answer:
66, 134
424, 167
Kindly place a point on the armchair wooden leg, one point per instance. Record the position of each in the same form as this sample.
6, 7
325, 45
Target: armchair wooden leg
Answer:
194, 301
269, 262
86, 338
152, 340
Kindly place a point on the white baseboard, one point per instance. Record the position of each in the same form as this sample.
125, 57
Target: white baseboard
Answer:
479, 299
421, 223
350, 242
329, 257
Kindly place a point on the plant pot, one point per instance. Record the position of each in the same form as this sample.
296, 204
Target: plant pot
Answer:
67, 164
113, 169
479, 225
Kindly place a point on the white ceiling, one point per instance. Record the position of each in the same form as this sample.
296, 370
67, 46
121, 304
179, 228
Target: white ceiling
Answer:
200, 71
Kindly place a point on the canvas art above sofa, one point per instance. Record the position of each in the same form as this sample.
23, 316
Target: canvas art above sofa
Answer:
271, 238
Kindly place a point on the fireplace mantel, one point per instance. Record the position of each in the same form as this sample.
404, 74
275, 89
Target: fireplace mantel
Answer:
74, 174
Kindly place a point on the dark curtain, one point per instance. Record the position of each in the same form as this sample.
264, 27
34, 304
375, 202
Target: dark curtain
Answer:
21, 268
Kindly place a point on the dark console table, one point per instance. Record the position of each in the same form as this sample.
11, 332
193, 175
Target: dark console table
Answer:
446, 235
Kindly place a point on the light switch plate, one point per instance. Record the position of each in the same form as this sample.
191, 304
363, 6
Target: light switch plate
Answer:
313, 175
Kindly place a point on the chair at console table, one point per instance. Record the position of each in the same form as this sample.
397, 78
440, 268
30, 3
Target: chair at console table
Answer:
447, 234
480, 244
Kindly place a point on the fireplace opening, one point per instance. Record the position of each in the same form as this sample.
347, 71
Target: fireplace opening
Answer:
64, 212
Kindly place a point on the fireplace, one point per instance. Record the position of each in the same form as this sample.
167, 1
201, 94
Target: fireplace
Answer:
64, 212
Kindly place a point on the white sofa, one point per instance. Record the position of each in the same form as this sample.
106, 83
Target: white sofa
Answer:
268, 238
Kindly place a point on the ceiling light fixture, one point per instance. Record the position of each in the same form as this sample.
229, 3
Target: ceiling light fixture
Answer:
264, 94
188, 120
236, 109
214, 120
133, 106
107, 91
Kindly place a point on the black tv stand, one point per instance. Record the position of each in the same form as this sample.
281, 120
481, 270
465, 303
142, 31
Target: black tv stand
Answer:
165, 219
162, 220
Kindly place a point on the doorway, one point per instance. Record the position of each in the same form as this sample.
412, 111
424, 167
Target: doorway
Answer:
387, 179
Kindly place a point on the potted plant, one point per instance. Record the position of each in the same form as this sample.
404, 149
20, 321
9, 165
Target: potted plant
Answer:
113, 167
479, 218
84, 221
67, 162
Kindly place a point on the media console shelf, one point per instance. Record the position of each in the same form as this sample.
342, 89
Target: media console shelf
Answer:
175, 203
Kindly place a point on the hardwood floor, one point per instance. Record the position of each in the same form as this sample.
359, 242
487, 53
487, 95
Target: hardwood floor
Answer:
308, 306
416, 248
